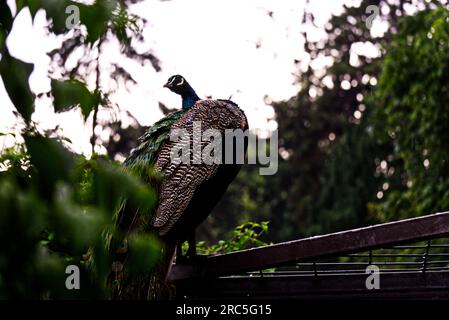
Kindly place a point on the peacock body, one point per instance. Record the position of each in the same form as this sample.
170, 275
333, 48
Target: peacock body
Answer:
187, 192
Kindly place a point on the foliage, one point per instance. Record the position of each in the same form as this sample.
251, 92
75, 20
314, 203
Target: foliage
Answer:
244, 236
73, 93
15, 74
57, 207
350, 179
309, 125
332, 154
56, 210
102, 23
413, 115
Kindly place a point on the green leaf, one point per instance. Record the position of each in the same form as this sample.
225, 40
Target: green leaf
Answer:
15, 74
5, 17
72, 93
77, 227
144, 251
55, 10
96, 18
122, 22
52, 161
33, 6
2, 37
113, 183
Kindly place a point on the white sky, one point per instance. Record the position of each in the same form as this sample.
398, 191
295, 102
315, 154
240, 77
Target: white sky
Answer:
211, 42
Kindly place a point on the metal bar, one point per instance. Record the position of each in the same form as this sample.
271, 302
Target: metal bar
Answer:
421, 247
424, 263
437, 261
394, 255
344, 271
373, 237
341, 272
351, 271
361, 264
397, 267
293, 275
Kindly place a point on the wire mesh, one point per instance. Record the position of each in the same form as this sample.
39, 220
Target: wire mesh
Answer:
420, 257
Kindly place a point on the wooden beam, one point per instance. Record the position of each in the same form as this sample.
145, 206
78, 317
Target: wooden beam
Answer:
362, 239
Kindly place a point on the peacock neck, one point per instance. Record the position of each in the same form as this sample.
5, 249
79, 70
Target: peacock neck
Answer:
189, 98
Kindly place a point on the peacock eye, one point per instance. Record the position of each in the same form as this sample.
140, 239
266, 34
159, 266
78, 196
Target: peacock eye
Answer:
180, 82
171, 80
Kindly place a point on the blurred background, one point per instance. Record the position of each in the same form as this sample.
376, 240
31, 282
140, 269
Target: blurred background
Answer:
358, 92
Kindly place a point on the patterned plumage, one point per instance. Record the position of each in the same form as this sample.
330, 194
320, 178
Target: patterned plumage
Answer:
188, 192
152, 140
159, 132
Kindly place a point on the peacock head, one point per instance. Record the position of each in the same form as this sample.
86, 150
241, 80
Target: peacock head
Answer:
178, 85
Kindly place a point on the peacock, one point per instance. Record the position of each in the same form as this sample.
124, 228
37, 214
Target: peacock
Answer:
187, 192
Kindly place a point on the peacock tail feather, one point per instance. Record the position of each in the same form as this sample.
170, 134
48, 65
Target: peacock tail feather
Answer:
153, 139
130, 219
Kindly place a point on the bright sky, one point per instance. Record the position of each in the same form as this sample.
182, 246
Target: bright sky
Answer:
211, 42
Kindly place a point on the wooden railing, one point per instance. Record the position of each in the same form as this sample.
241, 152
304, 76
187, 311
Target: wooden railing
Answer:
362, 239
